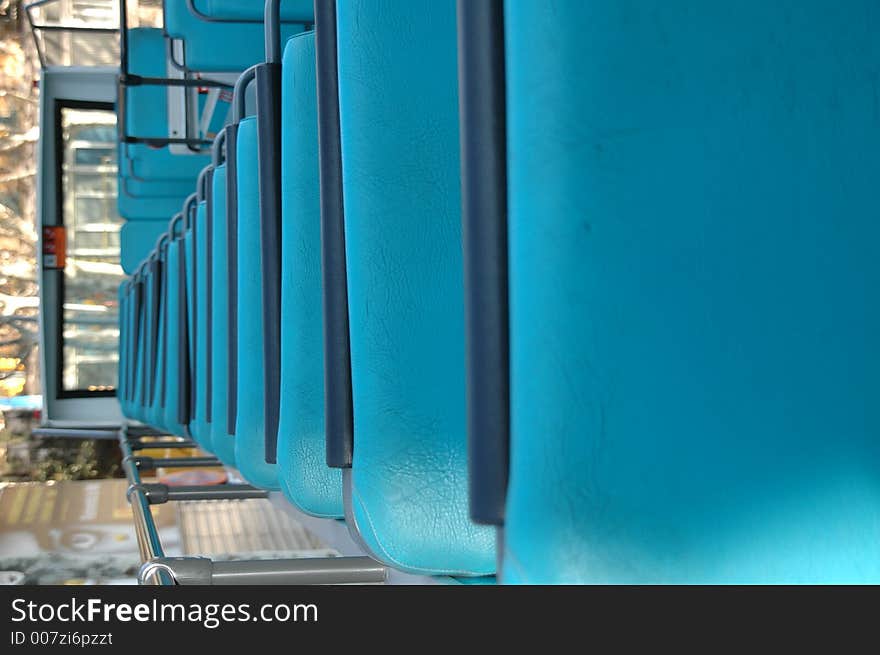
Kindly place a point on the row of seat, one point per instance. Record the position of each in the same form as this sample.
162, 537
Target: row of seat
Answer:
586, 282
152, 181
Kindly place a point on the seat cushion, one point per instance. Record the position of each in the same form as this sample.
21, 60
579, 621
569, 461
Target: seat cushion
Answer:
400, 164
250, 438
305, 478
693, 272
221, 440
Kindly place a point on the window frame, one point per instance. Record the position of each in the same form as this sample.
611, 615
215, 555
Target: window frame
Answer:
60, 105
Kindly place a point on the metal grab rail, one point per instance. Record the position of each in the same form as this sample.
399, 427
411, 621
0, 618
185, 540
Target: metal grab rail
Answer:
303, 571
149, 544
159, 569
79, 433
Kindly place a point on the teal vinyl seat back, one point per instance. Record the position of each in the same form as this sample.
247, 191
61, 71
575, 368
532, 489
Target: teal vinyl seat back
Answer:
143, 347
174, 362
221, 441
304, 476
301, 11
153, 415
131, 336
200, 427
136, 240
398, 98
143, 313
154, 289
188, 252
138, 361
122, 370
250, 438
693, 272
243, 43
137, 187
162, 202
146, 345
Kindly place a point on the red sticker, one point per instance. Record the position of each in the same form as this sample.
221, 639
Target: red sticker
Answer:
54, 247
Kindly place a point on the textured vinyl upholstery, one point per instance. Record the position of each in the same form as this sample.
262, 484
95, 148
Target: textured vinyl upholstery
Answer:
250, 438
693, 274
291, 10
399, 123
136, 408
148, 189
149, 208
154, 415
303, 473
199, 426
221, 441
136, 241
173, 363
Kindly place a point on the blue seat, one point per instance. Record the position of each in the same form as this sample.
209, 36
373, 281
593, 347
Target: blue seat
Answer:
243, 43
134, 333
132, 330
197, 240
153, 269
188, 251
153, 414
221, 441
302, 11
176, 349
693, 271
149, 306
305, 478
136, 241
122, 369
407, 494
148, 207
250, 437
126, 338
149, 189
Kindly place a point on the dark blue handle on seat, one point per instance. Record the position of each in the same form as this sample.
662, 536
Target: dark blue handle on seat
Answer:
269, 140
232, 257
184, 410
239, 112
338, 412
156, 307
138, 292
209, 291
484, 236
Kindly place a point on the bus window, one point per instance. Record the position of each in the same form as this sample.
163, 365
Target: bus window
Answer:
92, 273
